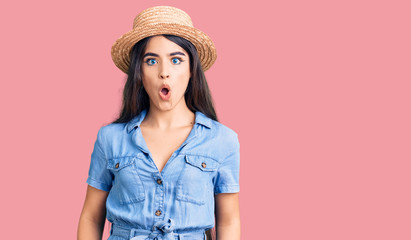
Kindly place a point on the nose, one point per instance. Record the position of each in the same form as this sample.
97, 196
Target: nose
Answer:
164, 75
164, 72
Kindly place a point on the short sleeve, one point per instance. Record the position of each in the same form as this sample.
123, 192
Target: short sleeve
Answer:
227, 179
99, 176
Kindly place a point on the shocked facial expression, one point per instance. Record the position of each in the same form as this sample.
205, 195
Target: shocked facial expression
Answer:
165, 73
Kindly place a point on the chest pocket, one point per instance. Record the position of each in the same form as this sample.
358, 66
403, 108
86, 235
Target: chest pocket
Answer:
127, 183
195, 182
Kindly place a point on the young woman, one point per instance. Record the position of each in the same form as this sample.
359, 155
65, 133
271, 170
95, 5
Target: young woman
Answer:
166, 168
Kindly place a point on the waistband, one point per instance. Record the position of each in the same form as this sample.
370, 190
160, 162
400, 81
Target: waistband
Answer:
162, 230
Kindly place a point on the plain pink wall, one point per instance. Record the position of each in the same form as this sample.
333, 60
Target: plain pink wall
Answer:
318, 91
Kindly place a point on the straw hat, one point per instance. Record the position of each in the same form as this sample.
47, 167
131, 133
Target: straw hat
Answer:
163, 20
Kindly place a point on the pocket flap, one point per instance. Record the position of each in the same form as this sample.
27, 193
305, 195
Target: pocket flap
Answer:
203, 163
117, 164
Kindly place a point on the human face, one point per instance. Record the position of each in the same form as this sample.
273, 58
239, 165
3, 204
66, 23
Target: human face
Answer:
165, 65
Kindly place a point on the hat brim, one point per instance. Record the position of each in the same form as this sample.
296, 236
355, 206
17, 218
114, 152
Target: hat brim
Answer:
120, 51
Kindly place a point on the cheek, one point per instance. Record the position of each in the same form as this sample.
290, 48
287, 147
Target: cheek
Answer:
184, 79
184, 74
147, 79
147, 71
147, 84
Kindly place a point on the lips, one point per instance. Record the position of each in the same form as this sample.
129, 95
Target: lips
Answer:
165, 92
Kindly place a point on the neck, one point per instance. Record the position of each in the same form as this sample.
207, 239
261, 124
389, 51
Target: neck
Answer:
169, 119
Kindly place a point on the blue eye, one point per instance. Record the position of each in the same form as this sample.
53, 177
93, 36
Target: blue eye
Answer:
176, 60
150, 61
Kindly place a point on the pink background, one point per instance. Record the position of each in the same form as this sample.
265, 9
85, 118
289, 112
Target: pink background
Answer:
318, 91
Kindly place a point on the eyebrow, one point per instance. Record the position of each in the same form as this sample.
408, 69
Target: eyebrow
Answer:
156, 55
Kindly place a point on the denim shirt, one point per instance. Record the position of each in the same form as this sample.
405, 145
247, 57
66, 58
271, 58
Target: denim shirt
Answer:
207, 163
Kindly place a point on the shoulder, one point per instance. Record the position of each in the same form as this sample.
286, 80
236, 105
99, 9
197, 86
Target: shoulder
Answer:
110, 131
225, 134
223, 129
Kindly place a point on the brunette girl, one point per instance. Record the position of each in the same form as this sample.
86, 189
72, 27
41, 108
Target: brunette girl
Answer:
166, 168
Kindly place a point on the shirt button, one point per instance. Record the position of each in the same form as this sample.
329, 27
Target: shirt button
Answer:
204, 165
158, 213
159, 181
117, 165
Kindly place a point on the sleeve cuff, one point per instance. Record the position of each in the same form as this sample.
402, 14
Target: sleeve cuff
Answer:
98, 185
227, 189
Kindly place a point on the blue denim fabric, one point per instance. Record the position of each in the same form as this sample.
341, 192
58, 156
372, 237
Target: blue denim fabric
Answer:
207, 163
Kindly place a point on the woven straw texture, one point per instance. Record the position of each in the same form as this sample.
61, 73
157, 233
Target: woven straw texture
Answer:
163, 20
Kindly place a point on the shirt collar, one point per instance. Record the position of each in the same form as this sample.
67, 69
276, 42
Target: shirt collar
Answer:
200, 118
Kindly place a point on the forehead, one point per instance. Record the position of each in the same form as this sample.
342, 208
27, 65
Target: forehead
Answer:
162, 46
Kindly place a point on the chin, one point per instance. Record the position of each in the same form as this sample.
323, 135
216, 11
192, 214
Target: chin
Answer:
165, 106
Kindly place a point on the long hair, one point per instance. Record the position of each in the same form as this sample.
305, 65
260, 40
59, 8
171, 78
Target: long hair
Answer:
197, 94
135, 97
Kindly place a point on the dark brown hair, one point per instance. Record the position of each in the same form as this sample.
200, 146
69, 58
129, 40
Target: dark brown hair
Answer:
135, 97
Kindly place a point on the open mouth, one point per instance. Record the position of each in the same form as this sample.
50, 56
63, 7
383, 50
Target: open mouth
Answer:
164, 91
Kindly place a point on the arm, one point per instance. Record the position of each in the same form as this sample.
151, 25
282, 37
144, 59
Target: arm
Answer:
93, 215
227, 216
